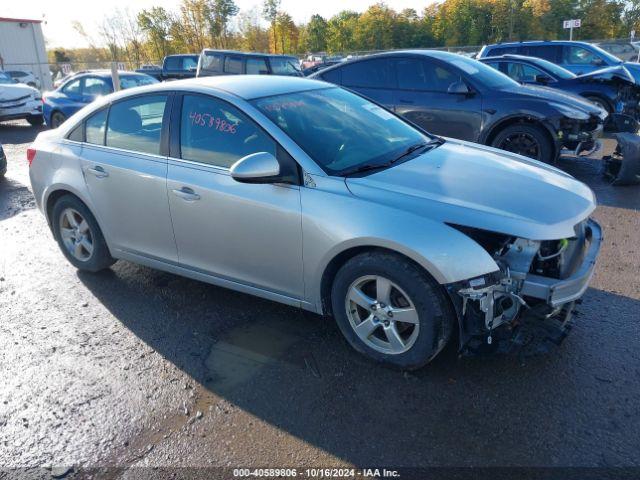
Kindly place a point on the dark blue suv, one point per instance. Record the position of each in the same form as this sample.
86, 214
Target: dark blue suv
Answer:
577, 57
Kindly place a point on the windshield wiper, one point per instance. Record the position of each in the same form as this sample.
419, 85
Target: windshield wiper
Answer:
435, 142
367, 167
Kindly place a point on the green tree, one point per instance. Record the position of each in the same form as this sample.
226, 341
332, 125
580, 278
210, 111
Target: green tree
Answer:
156, 24
221, 12
270, 12
375, 28
341, 31
316, 34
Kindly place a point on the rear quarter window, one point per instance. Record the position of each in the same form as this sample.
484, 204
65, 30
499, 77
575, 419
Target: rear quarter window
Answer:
333, 76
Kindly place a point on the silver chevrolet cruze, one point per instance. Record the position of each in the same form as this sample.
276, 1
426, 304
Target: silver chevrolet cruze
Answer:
303, 193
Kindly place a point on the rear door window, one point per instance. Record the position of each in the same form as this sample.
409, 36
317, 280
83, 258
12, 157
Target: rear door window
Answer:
136, 124
412, 74
547, 52
94, 127
233, 64
376, 73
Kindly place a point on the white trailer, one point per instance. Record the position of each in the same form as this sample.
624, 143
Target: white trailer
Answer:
22, 48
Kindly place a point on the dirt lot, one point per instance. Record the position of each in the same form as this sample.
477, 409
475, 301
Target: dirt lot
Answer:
135, 367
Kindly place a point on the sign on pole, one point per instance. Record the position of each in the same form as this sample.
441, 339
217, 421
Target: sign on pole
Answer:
122, 66
571, 24
66, 68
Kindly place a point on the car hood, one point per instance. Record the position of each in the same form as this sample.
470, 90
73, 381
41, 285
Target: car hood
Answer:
609, 73
12, 92
547, 94
475, 186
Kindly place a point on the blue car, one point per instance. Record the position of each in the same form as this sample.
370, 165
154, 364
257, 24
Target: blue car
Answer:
577, 57
82, 89
612, 88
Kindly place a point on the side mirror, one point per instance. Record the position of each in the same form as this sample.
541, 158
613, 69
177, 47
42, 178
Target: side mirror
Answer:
459, 88
261, 167
543, 79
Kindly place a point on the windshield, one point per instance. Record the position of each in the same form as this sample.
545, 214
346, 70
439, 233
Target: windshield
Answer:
483, 74
130, 81
285, 66
340, 130
554, 69
5, 79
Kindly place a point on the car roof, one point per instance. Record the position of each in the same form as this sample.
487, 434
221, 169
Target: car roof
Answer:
247, 54
537, 42
247, 87
105, 74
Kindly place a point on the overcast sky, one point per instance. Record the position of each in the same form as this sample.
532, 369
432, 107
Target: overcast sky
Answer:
60, 13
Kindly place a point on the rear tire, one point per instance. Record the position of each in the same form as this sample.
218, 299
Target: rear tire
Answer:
527, 140
79, 236
35, 120
57, 119
400, 315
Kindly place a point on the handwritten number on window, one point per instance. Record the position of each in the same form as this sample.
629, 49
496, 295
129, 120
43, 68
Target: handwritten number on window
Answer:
209, 121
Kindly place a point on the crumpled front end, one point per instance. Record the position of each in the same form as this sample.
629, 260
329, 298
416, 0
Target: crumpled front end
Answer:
528, 305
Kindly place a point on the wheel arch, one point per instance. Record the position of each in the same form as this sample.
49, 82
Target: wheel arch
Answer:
601, 97
330, 271
520, 119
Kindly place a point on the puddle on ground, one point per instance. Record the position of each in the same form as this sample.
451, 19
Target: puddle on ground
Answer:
245, 351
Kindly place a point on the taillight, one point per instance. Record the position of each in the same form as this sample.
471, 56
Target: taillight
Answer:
31, 154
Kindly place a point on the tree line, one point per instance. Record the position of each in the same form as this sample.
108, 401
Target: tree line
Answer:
150, 34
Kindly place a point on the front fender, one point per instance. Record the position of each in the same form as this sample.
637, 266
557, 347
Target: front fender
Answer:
334, 221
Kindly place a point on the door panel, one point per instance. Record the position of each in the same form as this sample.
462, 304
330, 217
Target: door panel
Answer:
243, 232
423, 99
128, 188
130, 196
248, 233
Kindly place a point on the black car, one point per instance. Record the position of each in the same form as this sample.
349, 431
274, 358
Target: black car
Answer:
612, 88
455, 96
174, 67
318, 66
230, 62
3, 162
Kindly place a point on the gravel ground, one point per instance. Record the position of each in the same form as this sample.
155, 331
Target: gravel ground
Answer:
136, 367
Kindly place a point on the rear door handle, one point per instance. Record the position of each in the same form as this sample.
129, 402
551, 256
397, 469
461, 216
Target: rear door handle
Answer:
98, 171
187, 194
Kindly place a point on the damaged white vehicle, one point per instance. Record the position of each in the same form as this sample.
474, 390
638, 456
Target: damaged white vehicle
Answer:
19, 101
307, 194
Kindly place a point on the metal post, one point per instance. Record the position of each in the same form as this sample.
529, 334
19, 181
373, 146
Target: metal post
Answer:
571, 32
115, 77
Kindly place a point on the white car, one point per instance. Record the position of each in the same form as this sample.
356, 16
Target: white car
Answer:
19, 101
27, 78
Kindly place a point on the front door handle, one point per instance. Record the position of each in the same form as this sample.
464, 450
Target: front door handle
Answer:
98, 171
187, 194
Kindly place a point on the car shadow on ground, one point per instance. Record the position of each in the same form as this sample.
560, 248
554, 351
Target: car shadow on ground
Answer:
294, 370
15, 198
18, 132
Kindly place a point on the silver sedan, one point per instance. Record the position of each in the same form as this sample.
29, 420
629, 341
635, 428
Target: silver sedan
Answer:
306, 194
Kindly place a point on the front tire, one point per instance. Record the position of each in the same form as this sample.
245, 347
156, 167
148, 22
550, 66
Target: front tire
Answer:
35, 120
79, 236
391, 310
526, 140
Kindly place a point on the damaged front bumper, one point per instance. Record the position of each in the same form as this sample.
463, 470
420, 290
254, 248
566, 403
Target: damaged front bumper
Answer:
528, 305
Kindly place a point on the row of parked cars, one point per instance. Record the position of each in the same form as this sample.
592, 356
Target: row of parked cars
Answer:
515, 96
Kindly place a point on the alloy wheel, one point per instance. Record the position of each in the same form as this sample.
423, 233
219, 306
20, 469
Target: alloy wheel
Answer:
522, 144
76, 234
382, 314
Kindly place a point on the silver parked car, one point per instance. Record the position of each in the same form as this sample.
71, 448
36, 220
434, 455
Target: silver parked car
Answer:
304, 193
